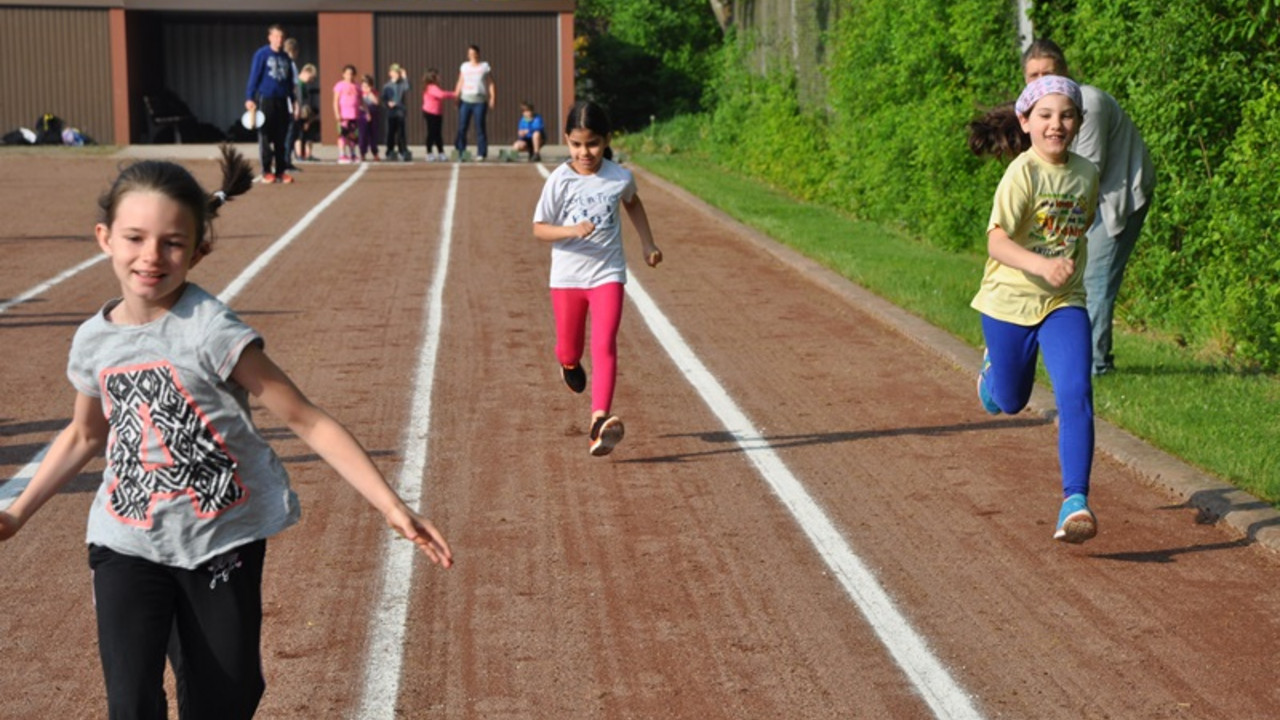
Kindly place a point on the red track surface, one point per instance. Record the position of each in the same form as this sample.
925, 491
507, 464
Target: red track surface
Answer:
667, 580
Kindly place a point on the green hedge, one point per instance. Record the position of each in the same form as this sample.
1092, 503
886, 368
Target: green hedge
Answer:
903, 78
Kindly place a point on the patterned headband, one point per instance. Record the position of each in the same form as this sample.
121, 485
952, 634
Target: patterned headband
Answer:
1047, 85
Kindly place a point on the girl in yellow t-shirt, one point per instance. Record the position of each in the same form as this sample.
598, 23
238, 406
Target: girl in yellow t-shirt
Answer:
1032, 294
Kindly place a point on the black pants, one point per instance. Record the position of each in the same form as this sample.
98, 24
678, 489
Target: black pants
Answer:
208, 621
271, 136
435, 132
396, 144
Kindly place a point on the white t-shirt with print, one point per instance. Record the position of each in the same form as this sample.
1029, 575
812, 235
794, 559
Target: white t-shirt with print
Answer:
569, 198
475, 82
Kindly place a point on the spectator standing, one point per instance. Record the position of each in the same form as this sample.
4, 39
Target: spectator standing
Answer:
432, 100
476, 90
393, 97
270, 87
291, 49
367, 119
346, 110
307, 103
1109, 139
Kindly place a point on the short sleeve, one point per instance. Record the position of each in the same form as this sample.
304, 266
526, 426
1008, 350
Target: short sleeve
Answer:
549, 205
225, 339
629, 188
1012, 199
80, 369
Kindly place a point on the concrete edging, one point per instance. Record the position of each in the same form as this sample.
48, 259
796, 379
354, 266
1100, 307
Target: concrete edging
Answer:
1251, 517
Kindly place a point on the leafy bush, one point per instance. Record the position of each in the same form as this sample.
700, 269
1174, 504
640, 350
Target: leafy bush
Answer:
886, 140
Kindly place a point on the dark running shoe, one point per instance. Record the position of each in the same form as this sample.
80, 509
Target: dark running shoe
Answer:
606, 433
575, 377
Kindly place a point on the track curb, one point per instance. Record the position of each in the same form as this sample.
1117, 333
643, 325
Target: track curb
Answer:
1217, 501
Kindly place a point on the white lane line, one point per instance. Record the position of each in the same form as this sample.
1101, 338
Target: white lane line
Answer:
909, 650
943, 695
13, 488
385, 654
45, 286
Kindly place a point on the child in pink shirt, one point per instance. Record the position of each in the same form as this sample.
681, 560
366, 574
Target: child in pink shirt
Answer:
346, 110
432, 97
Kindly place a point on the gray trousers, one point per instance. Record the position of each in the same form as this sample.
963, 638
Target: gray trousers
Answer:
1102, 277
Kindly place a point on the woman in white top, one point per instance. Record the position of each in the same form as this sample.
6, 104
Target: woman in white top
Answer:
477, 94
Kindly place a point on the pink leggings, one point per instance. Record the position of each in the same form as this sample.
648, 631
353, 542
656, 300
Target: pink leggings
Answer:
570, 307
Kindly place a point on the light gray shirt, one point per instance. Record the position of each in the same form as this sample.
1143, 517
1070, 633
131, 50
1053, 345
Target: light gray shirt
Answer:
1110, 140
188, 477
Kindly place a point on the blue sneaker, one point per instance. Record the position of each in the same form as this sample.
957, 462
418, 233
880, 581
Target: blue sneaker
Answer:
984, 395
1076, 522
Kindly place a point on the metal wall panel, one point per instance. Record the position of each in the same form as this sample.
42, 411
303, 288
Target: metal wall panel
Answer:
56, 60
522, 48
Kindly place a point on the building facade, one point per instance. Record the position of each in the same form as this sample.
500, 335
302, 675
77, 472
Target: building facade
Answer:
111, 67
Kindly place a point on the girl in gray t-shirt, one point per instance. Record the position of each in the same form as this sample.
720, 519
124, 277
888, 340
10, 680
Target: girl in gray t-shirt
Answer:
177, 530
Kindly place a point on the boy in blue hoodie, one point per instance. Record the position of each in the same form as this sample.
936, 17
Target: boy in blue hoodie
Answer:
270, 86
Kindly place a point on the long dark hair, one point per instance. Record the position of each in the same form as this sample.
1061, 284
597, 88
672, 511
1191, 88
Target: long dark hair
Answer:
586, 115
998, 133
176, 182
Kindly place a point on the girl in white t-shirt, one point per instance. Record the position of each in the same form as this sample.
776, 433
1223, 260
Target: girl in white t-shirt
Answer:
578, 214
190, 493
477, 95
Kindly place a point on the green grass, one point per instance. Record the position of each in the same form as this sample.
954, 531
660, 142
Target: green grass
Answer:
1223, 421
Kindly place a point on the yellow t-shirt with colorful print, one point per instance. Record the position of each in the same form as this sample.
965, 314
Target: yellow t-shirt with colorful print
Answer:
1047, 209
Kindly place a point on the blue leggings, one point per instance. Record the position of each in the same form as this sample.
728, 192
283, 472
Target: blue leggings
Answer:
1066, 339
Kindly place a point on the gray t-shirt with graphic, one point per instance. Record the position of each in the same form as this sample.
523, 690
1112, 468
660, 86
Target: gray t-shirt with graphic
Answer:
188, 476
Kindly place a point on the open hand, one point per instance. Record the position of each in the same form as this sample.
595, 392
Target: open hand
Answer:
419, 530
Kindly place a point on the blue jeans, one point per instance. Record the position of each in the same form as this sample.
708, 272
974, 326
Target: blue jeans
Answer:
465, 114
1064, 337
1103, 273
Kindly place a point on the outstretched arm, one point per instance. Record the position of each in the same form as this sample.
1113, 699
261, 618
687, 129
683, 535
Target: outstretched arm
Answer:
77, 444
639, 218
337, 446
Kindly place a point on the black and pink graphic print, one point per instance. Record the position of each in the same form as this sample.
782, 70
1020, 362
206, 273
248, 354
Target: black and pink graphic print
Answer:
162, 447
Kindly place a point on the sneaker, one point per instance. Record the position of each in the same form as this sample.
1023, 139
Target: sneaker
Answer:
1076, 522
287, 179
984, 395
537, 157
344, 160
442, 157
268, 178
606, 433
575, 377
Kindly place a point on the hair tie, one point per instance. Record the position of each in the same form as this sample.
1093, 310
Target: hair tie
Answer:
221, 197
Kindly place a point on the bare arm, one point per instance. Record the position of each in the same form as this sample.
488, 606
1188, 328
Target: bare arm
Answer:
555, 233
77, 444
338, 447
1004, 250
639, 218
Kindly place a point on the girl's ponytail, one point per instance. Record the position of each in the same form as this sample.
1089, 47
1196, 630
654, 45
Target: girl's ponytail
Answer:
237, 178
998, 133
